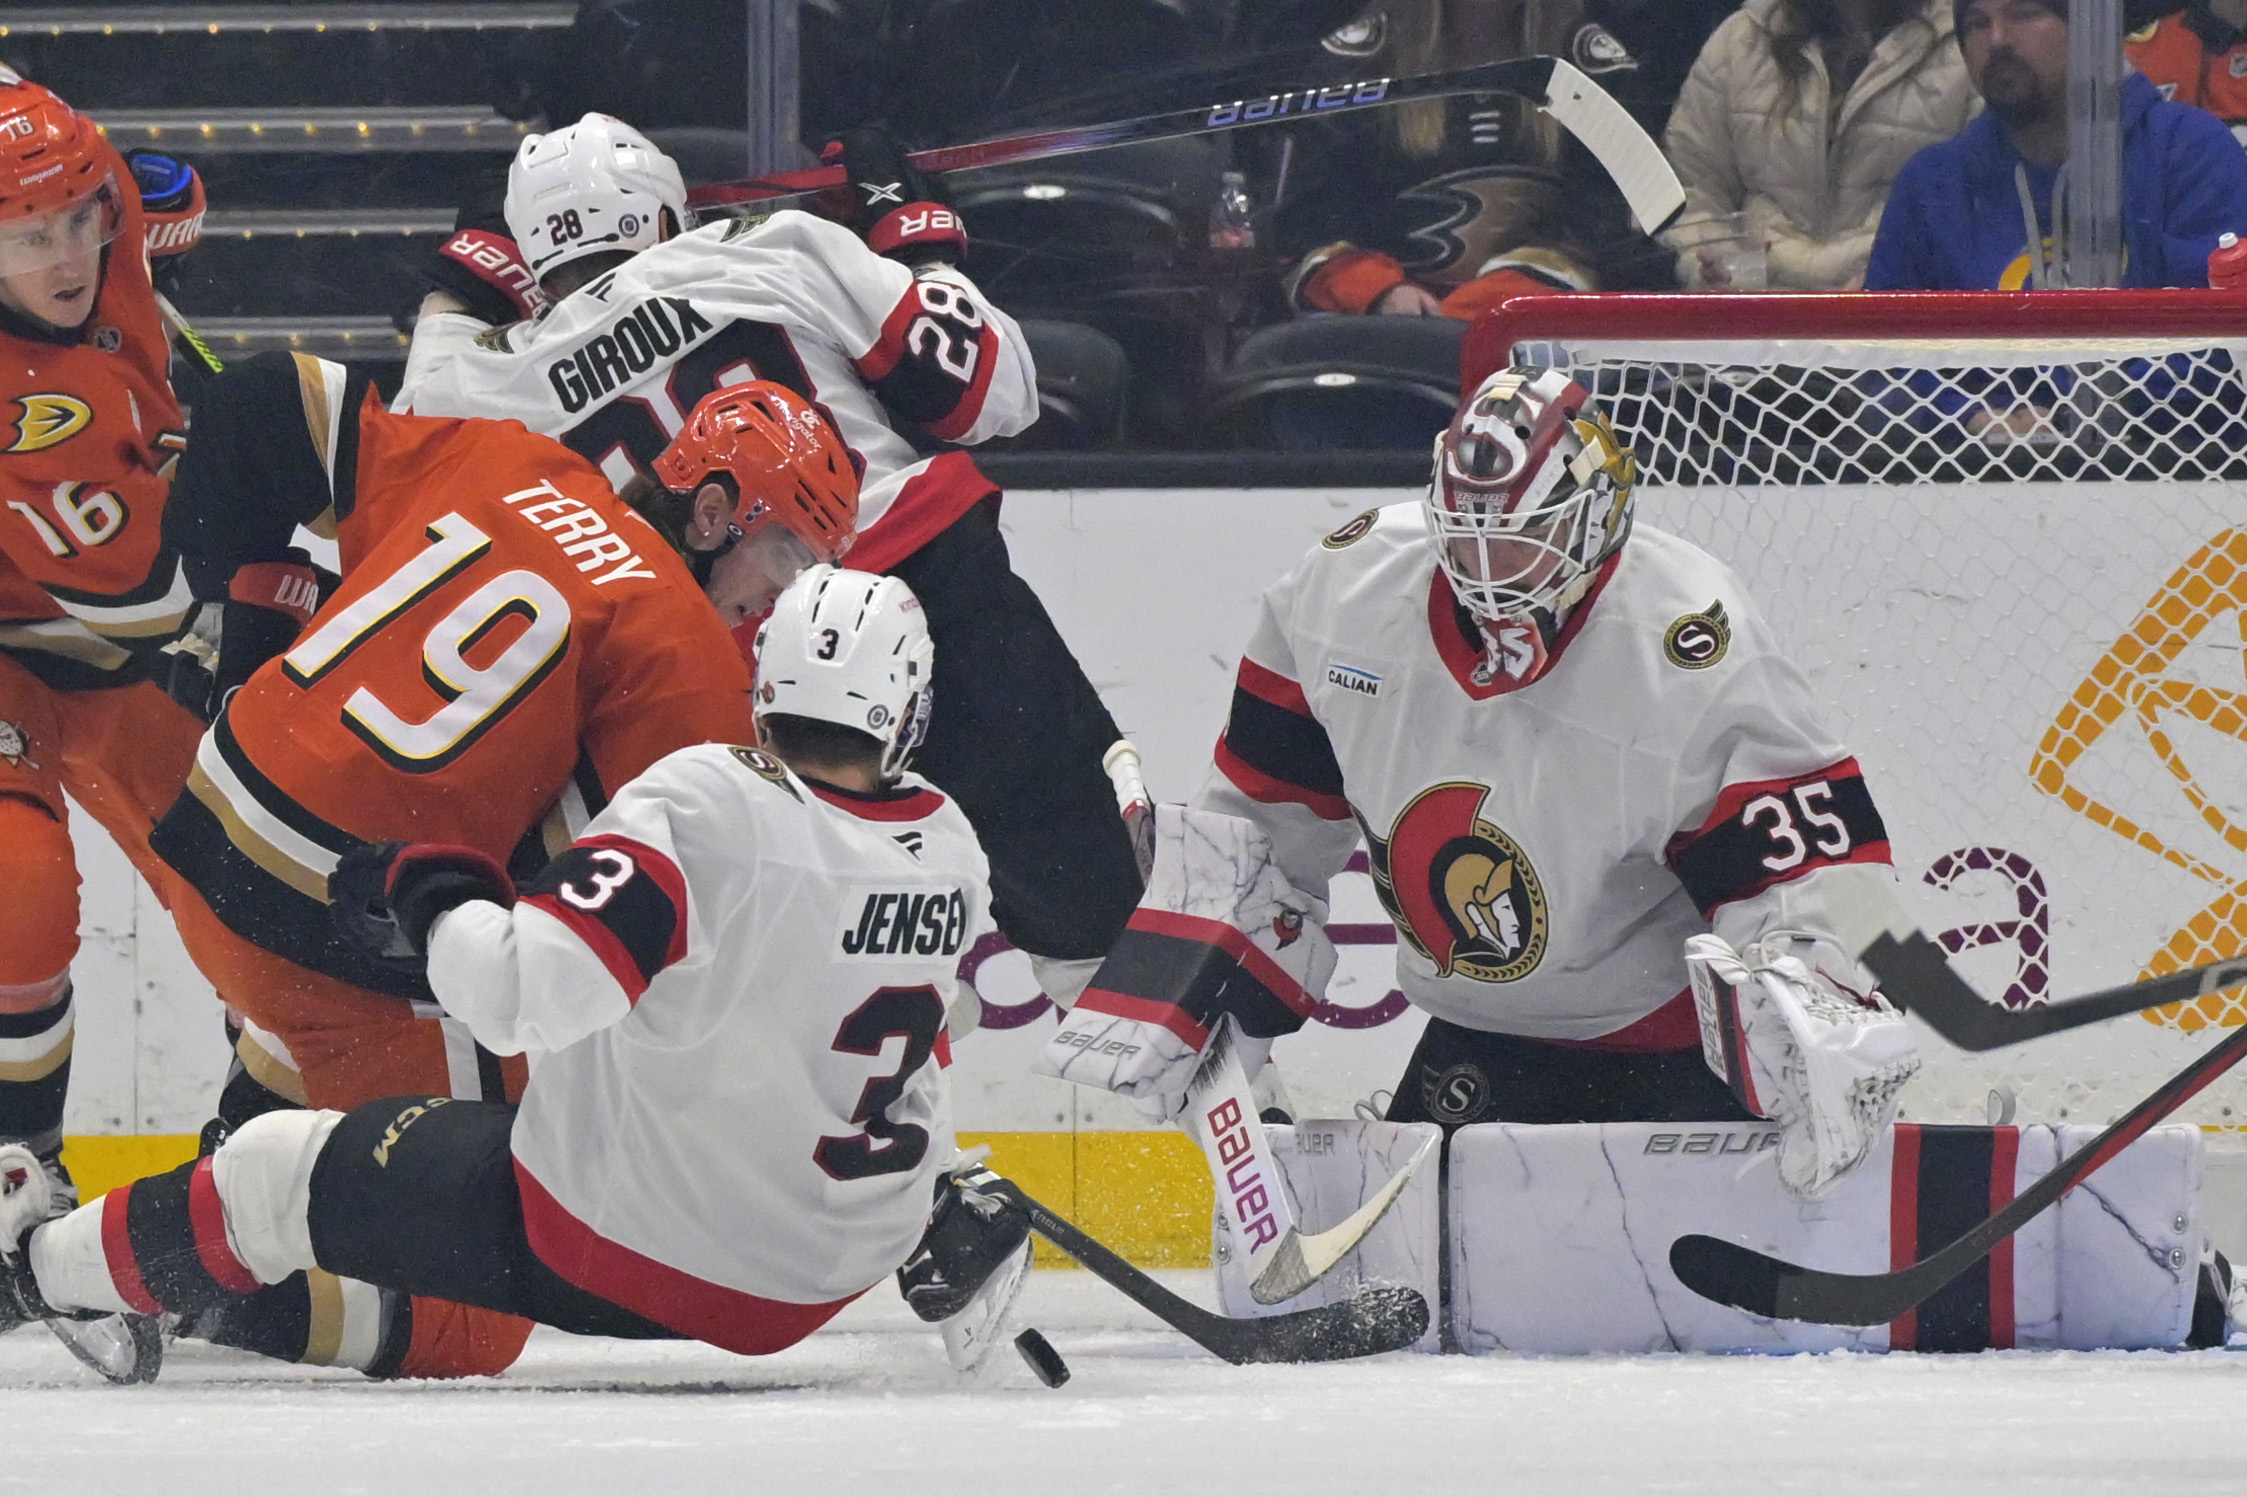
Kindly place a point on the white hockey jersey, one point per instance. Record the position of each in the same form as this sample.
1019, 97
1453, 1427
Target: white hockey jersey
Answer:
739, 980
614, 368
1545, 849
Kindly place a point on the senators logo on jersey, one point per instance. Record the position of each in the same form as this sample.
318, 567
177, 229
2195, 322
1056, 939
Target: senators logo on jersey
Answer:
47, 420
1460, 890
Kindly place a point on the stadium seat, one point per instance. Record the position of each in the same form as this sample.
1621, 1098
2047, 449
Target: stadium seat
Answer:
1082, 378
1347, 382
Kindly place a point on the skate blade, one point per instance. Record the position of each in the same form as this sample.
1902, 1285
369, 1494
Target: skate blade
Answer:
972, 1335
125, 1349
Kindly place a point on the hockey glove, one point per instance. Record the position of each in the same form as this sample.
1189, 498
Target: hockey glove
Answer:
1219, 931
481, 265
896, 210
171, 198
385, 896
267, 605
1795, 1046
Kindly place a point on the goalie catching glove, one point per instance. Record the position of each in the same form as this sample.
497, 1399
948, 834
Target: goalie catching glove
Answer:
1795, 1046
1219, 931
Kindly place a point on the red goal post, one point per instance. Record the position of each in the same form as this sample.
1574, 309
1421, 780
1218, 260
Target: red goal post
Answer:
2004, 535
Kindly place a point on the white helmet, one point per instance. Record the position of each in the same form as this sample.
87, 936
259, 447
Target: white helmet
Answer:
852, 649
596, 185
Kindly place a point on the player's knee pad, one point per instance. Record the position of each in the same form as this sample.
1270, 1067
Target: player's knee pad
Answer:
38, 905
264, 1179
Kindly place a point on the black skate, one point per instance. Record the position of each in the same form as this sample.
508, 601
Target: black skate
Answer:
970, 1264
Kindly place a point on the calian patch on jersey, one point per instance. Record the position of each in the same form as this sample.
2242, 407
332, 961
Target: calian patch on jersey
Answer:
49, 420
1460, 890
901, 924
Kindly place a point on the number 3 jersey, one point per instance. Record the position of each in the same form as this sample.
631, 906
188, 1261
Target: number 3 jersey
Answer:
614, 368
736, 984
508, 641
1545, 849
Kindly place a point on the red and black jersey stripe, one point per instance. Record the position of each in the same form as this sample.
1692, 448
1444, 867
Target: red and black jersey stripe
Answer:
1274, 750
932, 364
1184, 973
1943, 1182
164, 1240
624, 900
1769, 831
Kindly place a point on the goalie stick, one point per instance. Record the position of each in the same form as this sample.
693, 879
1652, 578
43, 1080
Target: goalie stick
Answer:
1376, 1319
1763, 1285
1919, 979
1624, 150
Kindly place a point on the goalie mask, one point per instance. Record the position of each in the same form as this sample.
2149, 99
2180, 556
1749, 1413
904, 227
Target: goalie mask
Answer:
851, 649
1531, 496
593, 186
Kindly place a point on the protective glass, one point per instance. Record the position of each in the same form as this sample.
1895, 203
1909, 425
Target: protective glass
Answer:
76, 232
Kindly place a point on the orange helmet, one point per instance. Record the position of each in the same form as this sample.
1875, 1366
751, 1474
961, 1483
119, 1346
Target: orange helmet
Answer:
785, 461
50, 155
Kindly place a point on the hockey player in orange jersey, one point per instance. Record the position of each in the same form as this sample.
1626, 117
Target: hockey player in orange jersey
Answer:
89, 594
510, 643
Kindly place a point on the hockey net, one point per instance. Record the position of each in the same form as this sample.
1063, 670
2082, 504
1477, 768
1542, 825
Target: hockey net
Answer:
2006, 537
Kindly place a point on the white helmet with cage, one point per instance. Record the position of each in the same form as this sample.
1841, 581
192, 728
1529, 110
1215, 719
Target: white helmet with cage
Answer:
852, 649
596, 185
1532, 494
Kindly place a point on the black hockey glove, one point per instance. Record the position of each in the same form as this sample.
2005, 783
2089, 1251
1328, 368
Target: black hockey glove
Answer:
385, 896
267, 604
480, 263
895, 209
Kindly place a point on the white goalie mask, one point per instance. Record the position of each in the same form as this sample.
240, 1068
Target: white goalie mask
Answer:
1531, 494
852, 649
596, 185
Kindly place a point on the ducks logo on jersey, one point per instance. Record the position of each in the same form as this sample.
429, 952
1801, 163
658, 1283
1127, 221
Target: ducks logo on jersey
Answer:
1460, 890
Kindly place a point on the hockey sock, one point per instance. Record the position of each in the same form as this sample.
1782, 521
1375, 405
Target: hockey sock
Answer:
35, 1073
157, 1244
314, 1318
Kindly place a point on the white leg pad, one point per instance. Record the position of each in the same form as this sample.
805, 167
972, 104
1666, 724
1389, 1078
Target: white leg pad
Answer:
264, 1179
1329, 1169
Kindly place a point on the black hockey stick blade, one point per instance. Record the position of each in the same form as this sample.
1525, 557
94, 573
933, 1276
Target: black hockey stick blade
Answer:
1624, 149
1919, 979
1376, 1319
1772, 1287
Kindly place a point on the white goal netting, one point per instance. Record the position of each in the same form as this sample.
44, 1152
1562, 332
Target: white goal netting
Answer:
2015, 571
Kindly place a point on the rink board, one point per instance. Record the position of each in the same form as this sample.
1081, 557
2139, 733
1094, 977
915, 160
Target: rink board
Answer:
1944, 629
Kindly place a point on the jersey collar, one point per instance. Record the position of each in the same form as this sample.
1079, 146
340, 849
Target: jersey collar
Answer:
898, 803
1458, 637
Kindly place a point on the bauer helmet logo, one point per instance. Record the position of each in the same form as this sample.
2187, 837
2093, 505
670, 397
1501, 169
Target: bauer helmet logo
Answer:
1462, 892
1698, 640
48, 421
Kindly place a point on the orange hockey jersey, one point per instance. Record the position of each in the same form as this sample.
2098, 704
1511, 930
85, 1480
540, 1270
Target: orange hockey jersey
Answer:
89, 431
508, 638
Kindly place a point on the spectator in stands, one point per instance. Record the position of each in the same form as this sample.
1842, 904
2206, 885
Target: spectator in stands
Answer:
1444, 206
2197, 55
1799, 113
1976, 211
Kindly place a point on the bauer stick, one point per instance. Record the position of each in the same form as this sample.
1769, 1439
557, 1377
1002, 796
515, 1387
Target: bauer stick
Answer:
1376, 1319
1624, 150
1763, 1285
1919, 979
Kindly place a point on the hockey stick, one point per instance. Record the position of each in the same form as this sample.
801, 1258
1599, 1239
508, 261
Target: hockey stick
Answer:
1627, 153
1919, 979
1376, 1319
1763, 1285
1282, 1260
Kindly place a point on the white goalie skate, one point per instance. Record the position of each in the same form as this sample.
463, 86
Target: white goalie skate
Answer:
122, 1348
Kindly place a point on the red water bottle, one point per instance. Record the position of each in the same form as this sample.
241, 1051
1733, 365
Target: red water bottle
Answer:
2227, 264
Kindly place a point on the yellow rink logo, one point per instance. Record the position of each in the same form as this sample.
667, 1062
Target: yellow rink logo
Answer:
2138, 686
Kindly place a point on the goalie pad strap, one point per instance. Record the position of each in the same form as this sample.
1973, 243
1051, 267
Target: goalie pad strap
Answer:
1944, 1181
1184, 972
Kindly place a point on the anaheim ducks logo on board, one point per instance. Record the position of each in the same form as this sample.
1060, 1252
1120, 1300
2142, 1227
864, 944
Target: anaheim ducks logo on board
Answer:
1460, 890
48, 420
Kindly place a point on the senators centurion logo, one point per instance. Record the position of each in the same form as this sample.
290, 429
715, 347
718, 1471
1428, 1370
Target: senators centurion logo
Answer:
1460, 890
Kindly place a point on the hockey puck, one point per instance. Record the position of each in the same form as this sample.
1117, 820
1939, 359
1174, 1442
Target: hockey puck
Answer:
1043, 1359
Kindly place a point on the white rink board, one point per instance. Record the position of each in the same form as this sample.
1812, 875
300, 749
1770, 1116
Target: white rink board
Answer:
1943, 628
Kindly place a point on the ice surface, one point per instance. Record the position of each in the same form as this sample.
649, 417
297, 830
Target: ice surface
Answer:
869, 1407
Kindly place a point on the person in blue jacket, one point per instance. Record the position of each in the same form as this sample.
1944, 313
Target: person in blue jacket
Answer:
1975, 212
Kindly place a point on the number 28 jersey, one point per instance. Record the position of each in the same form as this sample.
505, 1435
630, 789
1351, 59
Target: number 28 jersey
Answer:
737, 980
507, 636
1545, 849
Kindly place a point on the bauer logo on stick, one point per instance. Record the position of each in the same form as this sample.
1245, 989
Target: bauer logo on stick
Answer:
1698, 640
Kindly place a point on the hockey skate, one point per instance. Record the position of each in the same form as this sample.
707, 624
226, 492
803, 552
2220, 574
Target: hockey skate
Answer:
971, 1263
36, 1189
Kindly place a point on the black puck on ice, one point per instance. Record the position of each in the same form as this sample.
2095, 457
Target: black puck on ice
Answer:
1043, 1359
